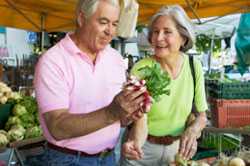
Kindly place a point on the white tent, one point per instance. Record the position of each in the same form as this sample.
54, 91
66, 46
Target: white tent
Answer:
218, 26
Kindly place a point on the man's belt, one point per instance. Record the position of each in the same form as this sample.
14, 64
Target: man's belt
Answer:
164, 140
103, 153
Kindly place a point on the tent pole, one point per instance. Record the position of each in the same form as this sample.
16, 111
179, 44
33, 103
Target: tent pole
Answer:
42, 30
211, 52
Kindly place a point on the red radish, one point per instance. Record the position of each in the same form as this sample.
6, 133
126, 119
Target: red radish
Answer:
134, 84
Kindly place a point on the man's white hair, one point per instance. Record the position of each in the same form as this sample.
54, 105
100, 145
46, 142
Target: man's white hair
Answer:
88, 7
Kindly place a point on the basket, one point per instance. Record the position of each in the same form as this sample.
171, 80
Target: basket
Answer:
230, 113
5, 110
224, 90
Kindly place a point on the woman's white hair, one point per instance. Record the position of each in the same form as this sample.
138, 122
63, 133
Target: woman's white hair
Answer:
183, 24
88, 7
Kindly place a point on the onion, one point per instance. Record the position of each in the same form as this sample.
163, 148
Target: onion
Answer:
236, 162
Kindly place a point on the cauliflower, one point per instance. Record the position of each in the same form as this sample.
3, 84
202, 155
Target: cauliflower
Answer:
15, 134
3, 132
3, 99
3, 140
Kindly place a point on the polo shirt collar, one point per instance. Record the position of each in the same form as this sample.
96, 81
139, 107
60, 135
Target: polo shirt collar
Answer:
71, 47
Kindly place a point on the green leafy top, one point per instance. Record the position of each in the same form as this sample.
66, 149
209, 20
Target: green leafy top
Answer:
156, 80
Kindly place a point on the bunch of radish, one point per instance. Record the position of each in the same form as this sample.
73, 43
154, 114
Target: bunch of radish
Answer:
135, 84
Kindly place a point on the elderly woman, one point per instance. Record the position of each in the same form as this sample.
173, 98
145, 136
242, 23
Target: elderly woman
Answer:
171, 35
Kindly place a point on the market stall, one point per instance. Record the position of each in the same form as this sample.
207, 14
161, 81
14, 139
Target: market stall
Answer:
19, 125
58, 15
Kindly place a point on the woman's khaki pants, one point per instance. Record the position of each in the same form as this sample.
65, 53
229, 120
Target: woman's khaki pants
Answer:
154, 155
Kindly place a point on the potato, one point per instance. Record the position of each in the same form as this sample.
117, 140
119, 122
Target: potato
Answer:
203, 164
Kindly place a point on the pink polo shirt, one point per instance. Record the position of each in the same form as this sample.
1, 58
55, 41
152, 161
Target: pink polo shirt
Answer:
65, 78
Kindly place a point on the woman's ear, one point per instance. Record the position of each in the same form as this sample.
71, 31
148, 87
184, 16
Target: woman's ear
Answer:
80, 19
184, 41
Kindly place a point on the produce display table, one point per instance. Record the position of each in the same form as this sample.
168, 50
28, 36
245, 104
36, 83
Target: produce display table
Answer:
13, 153
227, 130
236, 138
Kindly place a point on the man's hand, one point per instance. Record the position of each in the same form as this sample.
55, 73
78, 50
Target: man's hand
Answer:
129, 103
132, 150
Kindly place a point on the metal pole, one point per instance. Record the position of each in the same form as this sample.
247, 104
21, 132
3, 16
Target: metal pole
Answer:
211, 51
42, 30
122, 41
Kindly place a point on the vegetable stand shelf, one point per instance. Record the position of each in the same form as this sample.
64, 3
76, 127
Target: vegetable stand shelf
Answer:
227, 130
216, 144
17, 151
227, 140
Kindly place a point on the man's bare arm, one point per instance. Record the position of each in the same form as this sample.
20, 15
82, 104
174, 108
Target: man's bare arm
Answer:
64, 125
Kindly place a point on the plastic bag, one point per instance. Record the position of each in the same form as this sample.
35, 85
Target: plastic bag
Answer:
128, 18
242, 43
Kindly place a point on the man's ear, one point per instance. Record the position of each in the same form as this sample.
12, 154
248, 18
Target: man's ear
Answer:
80, 19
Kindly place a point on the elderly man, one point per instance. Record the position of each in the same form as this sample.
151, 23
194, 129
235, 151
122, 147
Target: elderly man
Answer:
78, 85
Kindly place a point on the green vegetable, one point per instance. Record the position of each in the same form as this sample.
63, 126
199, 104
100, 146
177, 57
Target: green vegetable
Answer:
156, 80
25, 122
32, 132
13, 120
19, 110
180, 161
29, 103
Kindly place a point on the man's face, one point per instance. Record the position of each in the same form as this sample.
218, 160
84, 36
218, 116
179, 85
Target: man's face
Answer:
100, 28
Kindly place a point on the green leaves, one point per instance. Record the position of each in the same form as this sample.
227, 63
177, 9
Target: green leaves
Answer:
156, 80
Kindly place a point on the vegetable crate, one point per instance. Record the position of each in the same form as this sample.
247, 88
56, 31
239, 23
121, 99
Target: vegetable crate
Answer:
5, 110
228, 90
230, 113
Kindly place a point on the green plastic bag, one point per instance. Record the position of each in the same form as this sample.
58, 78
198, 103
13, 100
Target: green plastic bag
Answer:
242, 43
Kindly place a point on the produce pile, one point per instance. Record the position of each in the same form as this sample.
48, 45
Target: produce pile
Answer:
180, 161
241, 159
23, 122
7, 94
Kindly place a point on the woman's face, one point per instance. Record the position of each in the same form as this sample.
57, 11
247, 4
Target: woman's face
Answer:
165, 39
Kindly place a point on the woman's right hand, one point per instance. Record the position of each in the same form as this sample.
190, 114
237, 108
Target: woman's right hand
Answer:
132, 150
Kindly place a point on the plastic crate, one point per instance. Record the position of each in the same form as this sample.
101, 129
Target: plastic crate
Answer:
5, 110
230, 113
222, 90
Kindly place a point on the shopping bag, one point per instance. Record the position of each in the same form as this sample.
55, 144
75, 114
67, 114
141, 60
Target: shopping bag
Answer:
128, 18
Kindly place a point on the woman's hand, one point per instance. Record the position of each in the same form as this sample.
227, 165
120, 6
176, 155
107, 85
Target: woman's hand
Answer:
137, 135
188, 143
132, 150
